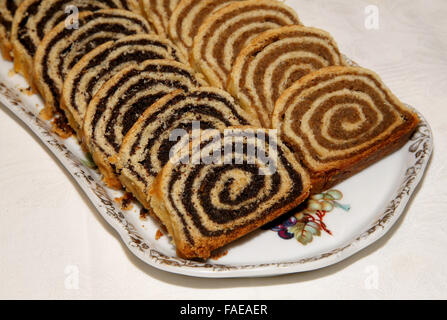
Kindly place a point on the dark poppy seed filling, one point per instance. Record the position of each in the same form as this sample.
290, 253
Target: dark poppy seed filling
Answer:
63, 47
102, 63
158, 13
206, 205
151, 141
274, 60
36, 18
11, 5
223, 35
124, 98
341, 118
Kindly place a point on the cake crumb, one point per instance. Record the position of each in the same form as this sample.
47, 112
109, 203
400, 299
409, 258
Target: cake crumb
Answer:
216, 255
159, 234
27, 91
125, 201
144, 214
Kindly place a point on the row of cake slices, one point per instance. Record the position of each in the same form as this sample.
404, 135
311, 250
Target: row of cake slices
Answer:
254, 49
125, 91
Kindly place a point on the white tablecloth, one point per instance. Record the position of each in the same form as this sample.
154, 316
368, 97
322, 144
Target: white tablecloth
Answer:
53, 244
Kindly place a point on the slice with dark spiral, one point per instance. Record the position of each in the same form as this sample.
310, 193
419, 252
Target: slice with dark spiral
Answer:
253, 179
187, 18
339, 120
35, 18
120, 103
99, 65
62, 48
226, 32
273, 61
158, 13
147, 146
7, 11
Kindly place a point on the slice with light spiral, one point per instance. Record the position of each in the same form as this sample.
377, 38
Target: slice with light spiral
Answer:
207, 204
35, 18
62, 48
226, 32
102, 63
122, 100
273, 61
339, 120
187, 18
148, 145
158, 13
7, 11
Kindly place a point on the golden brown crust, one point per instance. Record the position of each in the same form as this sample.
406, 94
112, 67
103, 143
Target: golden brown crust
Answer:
5, 48
23, 68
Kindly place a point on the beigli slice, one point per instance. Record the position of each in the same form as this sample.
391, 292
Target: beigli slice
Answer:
62, 48
120, 103
147, 146
206, 205
273, 61
158, 13
225, 33
339, 120
187, 18
7, 11
35, 18
102, 63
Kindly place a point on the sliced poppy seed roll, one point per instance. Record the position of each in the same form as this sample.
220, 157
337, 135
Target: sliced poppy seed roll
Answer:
339, 120
274, 60
35, 18
226, 32
7, 11
62, 48
158, 13
120, 103
187, 18
102, 63
147, 146
253, 179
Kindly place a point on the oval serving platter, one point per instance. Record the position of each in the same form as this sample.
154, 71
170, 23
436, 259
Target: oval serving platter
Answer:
341, 222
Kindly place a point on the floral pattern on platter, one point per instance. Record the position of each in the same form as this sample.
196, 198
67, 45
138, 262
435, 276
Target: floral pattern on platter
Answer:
309, 222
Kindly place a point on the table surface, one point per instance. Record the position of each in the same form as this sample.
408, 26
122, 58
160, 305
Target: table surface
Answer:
53, 244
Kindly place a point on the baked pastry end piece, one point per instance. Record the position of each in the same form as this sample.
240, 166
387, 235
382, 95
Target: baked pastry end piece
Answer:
205, 206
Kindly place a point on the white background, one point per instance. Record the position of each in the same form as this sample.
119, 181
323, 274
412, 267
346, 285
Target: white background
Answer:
49, 232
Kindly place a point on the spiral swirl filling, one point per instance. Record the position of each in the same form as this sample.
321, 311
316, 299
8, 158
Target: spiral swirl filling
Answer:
218, 198
333, 117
